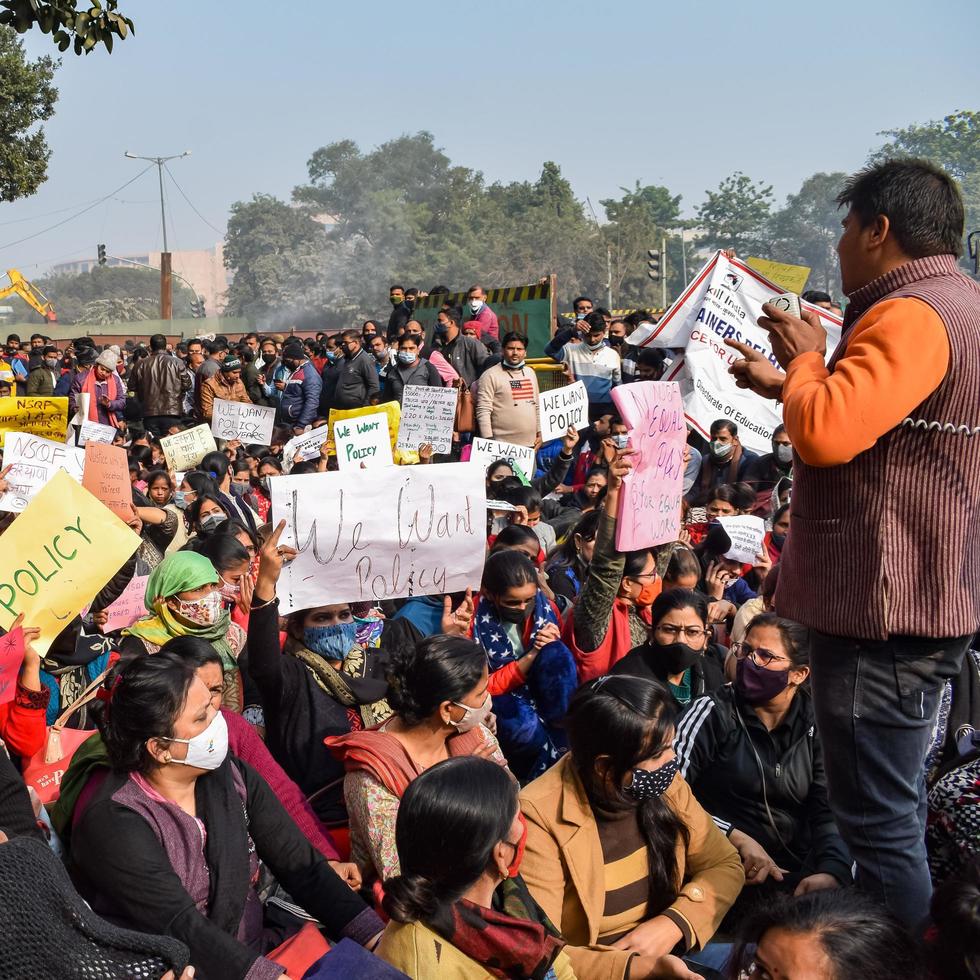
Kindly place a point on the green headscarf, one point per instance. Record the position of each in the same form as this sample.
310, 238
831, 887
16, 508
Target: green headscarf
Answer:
182, 571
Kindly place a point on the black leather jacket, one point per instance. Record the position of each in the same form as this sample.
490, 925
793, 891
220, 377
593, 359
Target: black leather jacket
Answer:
160, 382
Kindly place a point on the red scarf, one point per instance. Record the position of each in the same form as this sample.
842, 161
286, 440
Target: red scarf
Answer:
88, 387
617, 642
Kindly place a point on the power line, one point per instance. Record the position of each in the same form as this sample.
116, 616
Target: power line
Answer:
188, 200
78, 214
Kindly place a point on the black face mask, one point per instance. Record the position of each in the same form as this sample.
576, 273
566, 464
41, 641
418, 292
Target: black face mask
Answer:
675, 657
518, 616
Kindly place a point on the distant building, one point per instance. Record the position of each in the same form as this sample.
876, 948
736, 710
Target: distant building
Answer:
204, 269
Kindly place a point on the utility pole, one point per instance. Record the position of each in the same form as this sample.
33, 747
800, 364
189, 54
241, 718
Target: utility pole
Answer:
166, 282
609, 302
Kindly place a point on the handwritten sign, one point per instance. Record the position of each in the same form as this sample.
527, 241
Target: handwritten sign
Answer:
107, 477
394, 412
363, 440
247, 423
57, 556
746, 533
650, 501
46, 417
184, 450
487, 451
307, 446
563, 408
90, 431
33, 461
791, 277
11, 658
129, 606
428, 415
381, 534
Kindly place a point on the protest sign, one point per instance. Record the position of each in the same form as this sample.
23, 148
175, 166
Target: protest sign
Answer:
307, 446
487, 451
184, 450
391, 409
563, 408
747, 533
791, 277
723, 302
11, 658
106, 477
527, 310
381, 534
129, 606
244, 422
33, 461
650, 500
363, 440
428, 415
47, 417
57, 556
90, 431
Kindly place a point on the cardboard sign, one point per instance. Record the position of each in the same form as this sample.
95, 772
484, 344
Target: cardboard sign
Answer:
487, 451
307, 445
90, 431
129, 606
47, 417
363, 442
380, 534
791, 277
107, 477
246, 423
394, 412
747, 534
33, 461
11, 658
57, 556
724, 302
650, 500
184, 450
428, 415
563, 408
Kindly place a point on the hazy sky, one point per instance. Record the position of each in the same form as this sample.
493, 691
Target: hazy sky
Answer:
681, 94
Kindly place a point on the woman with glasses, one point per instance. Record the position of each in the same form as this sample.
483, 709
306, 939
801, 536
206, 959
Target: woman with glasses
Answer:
752, 756
678, 653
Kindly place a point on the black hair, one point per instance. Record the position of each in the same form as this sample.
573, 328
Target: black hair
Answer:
412, 338
628, 720
651, 357
779, 430
508, 569
233, 526
513, 336
200, 483
352, 334
454, 313
194, 508
141, 455
816, 296
400, 289
158, 342
581, 299
439, 668
270, 461
195, 651
595, 322
496, 464
955, 951
155, 475
682, 562
524, 496
859, 937
921, 201
635, 562
449, 820
779, 511
222, 550
566, 554
216, 466
147, 697
796, 638
240, 464
739, 495
679, 599
724, 425
513, 536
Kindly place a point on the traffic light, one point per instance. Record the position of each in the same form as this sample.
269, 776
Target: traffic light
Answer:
653, 264
101, 254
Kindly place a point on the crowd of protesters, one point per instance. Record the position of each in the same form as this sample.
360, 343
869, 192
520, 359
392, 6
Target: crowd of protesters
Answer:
657, 763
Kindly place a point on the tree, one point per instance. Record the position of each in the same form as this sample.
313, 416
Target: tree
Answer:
67, 24
121, 310
734, 216
27, 97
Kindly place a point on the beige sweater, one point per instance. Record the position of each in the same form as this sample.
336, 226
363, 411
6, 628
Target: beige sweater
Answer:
507, 405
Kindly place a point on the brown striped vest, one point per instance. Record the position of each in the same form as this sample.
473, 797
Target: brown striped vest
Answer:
889, 543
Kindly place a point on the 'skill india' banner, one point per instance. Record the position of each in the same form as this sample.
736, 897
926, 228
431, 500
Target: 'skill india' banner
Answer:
723, 302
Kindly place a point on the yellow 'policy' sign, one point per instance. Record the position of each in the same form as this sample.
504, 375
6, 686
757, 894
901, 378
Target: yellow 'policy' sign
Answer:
57, 556
47, 417
791, 277
394, 412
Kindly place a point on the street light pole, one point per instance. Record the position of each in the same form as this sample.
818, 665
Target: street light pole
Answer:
166, 283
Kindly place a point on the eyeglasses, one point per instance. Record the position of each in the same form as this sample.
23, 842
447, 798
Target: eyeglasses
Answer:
759, 655
689, 632
641, 575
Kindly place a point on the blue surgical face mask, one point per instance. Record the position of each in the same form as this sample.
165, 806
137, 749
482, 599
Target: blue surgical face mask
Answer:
333, 642
406, 357
332, 355
180, 499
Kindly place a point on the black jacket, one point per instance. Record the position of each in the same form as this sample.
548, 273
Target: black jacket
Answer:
357, 381
714, 744
642, 661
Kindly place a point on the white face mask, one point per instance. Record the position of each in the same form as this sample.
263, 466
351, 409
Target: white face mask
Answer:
475, 304
784, 453
722, 450
471, 716
208, 749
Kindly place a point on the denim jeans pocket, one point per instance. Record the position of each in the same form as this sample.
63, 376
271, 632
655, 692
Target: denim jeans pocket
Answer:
920, 674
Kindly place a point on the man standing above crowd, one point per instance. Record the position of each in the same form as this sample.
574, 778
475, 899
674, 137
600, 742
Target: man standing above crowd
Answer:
160, 382
476, 300
357, 379
227, 385
296, 387
507, 399
383, 361
466, 355
592, 362
400, 314
882, 555
44, 377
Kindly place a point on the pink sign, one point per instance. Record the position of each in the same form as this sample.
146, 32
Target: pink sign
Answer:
129, 606
650, 501
11, 657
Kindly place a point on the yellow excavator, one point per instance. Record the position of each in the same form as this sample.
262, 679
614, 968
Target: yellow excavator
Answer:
30, 294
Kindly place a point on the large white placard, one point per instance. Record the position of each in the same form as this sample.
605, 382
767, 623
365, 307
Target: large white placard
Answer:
363, 441
33, 460
747, 533
487, 451
90, 431
184, 450
380, 534
428, 415
723, 302
563, 408
306, 445
244, 422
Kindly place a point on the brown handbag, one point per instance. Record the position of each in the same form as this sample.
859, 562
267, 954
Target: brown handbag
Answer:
464, 410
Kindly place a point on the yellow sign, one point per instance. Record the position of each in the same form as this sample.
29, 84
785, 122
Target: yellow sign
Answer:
57, 556
792, 278
394, 412
47, 417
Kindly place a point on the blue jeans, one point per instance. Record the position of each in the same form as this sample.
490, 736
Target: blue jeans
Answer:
876, 704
